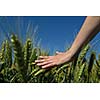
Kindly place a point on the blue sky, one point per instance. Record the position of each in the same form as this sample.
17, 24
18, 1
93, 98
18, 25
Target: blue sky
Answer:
55, 33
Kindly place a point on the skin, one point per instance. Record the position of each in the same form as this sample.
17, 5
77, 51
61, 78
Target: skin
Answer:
89, 29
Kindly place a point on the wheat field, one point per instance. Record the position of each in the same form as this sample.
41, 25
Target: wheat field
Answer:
17, 65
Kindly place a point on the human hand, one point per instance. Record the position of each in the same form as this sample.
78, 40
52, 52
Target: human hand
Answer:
58, 59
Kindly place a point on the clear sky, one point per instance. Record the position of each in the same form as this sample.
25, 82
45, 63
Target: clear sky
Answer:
55, 33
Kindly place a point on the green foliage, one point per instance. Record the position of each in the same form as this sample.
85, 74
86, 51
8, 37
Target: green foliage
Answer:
17, 65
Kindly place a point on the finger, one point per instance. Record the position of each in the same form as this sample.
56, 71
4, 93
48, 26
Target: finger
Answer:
43, 60
48, 65
44, 63
38, 61
43, 57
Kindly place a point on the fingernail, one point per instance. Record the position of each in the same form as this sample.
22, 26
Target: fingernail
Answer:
38, 64
43, 67
36, 60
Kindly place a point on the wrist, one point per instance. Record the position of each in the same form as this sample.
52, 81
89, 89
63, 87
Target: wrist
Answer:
73, 53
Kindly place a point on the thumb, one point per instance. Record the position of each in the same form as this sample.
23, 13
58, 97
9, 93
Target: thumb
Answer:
57, 52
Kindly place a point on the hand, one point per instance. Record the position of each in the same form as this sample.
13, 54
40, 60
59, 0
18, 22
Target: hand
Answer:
58, 59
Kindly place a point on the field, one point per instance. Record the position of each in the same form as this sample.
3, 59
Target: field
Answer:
17, 65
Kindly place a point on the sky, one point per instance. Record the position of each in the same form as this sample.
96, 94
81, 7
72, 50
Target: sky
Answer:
53, 32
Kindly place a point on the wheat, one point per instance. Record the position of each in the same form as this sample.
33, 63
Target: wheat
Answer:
19, 55
90, 66
80, 62
27, 55
22, 68
8, 54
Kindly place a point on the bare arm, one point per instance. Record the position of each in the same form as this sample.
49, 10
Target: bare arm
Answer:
89, 29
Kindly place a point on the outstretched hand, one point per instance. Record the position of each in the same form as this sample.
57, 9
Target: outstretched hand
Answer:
58, 59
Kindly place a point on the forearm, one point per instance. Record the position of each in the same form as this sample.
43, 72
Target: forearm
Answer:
89, 29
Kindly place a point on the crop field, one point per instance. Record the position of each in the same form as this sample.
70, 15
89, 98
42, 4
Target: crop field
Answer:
17, 65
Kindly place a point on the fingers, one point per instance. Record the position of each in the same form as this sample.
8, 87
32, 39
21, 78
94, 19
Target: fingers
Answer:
43, 57
48, 65
43, 63
39, 61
